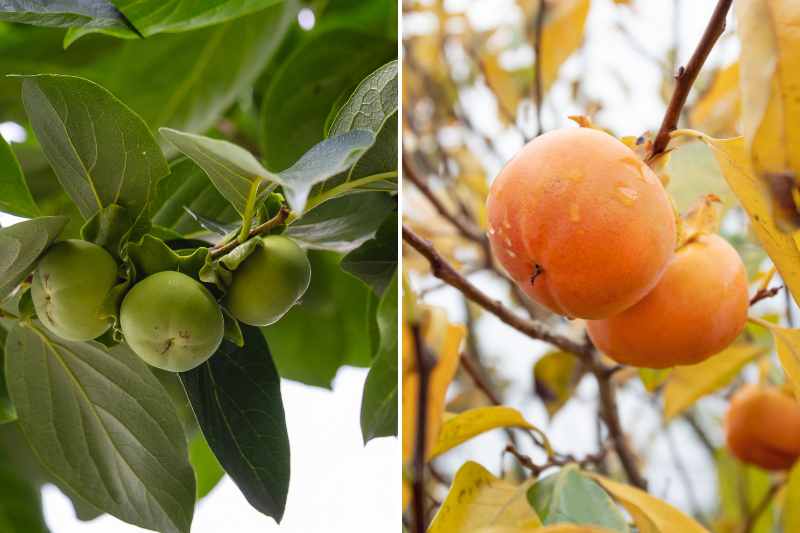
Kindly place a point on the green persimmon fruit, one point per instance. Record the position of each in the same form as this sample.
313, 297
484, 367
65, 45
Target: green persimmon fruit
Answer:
269, 282
69, 287
171, 321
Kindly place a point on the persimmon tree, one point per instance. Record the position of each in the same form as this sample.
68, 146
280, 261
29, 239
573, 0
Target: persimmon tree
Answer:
657, 268
209, 204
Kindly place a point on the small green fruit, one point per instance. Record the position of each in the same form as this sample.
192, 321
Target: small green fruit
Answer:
171, 321
269, 282
69, 287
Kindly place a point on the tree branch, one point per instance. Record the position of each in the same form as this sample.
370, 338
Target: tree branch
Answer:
686, 77
537, 66
277, 220
424, 366
445, 272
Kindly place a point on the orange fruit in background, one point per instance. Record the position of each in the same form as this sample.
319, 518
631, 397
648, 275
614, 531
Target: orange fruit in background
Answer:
696, 310
762, 427
580, 223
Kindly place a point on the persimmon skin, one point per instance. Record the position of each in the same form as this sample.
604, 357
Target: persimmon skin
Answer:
580, 223
762, 427
696, 310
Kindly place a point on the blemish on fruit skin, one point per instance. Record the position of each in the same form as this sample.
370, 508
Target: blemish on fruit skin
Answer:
511, 253
507, 224
575, 175
637, 164
626, 195
508, 242
491, 230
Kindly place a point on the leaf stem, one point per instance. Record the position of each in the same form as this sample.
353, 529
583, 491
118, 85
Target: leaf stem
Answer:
347, 186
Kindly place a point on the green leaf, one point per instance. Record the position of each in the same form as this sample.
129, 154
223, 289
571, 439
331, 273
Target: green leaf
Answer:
102, 424
338, 307
371, 104
20, 504
375, 261
342, 224
232, 169
207, 469
570, 497
151, 255
150, 17
101, 151
20, 247
308, 83
324, 160
87, 14
8, 413
15, 198
379, 403
187, 196
236, 396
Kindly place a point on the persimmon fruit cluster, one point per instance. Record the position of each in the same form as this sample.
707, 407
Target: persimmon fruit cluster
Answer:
585, 228
169, 319
762, 427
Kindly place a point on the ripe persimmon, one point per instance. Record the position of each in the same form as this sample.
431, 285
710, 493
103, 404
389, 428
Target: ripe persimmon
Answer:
580, 223
762, 427
698, 307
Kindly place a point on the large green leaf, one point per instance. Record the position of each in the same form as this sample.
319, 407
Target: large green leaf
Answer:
379, 404
570, 497
20, 247
103, 426
324, 160
87, 14
342, 224
233, 170
373, 101
375, 261
188, 190
8, 412
15, 198
101, 151
307, 84
150, 17
236, 396
207, 469
337, 306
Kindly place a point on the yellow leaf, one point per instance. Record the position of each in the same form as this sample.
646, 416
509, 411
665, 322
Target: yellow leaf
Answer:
554, 377
717, 111
687, 384
503, 84
791, 503
787, 342
443, 340
650, 514
561, 36
458, 429
754, 197
557, 528
770, 84
406, 493
652, 378
478, 499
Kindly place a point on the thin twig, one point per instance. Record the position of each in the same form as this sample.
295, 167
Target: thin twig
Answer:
424, 366
445, 272
537, 66
527, 462
758, 510
763, 294
275, 221
464, 227
686, 77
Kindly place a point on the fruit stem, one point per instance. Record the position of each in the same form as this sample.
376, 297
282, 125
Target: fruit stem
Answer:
686, 77
277, 220
8, 314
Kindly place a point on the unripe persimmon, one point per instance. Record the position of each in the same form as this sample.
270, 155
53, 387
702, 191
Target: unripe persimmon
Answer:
698, 307
762, 427
581, 224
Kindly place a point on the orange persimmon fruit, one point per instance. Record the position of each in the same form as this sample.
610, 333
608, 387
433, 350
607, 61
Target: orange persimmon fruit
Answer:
762, 427
581, 223
698, 307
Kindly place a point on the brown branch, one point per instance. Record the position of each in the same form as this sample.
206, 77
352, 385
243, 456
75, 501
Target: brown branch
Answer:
686, 77
536, 470
424, 367
537, 66
445, 272
275, 221
464, 227
755, 514
763, 294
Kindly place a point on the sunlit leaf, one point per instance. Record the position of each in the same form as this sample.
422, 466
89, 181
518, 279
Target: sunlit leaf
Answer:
20, 247
555, 376
478, 499
15, 198
687, 384
717, 111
